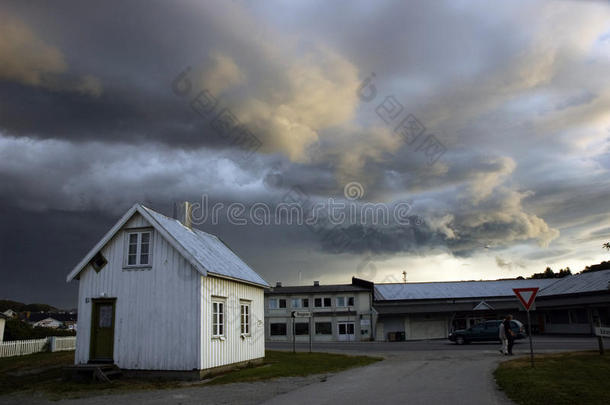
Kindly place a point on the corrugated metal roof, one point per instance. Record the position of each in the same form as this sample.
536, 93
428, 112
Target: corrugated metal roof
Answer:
579, 283
455, 289
208, 250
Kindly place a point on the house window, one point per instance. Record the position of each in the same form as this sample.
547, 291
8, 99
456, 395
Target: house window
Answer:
299, 303
346, 328
324, 328
138, 248
218, 318
322, 302
345, 301
275, 303
245, 318
277, 329
301, 328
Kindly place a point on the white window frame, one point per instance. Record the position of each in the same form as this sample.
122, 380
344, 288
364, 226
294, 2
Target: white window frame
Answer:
346, 324
276, 305
245, 316
323, 298
138, 244
218, 318
346, 299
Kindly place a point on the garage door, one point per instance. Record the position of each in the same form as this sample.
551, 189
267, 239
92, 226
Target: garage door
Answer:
428, 329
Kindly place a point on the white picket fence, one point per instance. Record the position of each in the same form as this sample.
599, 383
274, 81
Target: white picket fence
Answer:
61, 344
24, 347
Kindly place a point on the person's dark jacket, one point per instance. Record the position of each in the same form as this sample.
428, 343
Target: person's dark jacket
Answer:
508, 330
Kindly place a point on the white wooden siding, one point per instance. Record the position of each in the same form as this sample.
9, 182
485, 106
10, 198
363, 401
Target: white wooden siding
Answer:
216, 352
157, 319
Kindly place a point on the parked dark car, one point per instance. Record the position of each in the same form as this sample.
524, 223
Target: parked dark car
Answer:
485, 331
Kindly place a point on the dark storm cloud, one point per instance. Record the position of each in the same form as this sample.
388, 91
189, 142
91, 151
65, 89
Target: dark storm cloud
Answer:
127, 115
36, 249
518, 94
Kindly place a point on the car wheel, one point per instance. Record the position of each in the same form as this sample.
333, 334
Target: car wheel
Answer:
460, 340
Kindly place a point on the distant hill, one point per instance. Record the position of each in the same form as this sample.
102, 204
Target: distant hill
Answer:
20, 306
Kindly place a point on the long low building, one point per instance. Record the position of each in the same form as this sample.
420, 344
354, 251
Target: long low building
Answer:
411, 311
570, 305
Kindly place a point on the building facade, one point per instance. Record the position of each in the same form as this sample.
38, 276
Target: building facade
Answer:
156, 294
412, 311
340, 312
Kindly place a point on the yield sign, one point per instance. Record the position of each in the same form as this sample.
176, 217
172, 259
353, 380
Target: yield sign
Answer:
526, 296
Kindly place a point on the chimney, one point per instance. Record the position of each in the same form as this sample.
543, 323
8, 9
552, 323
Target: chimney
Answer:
183, 213
316, 283
278, 284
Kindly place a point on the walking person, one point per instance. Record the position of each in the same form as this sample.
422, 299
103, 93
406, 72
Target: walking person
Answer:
510, 335
503, 339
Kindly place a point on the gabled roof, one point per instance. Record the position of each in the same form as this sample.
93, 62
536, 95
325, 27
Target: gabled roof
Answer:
483, 306
455, 289
39, 316
205, 252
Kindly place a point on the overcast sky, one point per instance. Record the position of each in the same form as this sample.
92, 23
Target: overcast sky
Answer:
95, 117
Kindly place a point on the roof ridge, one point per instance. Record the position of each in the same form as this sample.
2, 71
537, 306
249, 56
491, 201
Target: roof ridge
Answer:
468, 281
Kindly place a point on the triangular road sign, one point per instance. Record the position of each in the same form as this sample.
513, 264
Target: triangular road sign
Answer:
526, 296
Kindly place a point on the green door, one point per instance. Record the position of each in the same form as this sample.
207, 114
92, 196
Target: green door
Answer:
102, 330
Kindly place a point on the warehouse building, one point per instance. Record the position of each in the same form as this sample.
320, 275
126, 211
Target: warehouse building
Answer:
570, 305
341, 312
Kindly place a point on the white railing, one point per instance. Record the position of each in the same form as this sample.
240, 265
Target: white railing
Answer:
24, 347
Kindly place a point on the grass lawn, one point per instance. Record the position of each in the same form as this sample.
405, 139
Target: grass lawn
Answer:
42, 373
565, 378
288, 364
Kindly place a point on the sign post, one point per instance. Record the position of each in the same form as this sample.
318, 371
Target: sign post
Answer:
601, 332
527, 297
294, 336
300, 314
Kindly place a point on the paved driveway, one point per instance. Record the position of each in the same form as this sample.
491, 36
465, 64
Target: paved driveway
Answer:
420, 377
542, 344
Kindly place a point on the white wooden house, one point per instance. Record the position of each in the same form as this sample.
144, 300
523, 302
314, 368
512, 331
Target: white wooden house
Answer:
48, 322
2, 322
157, 294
